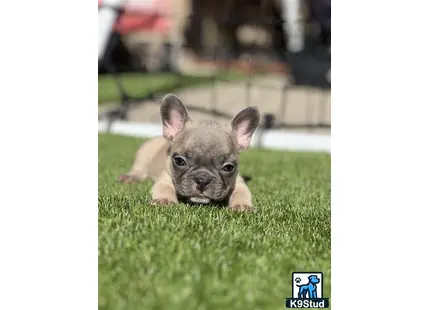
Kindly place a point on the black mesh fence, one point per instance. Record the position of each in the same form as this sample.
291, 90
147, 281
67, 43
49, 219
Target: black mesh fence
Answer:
234, 42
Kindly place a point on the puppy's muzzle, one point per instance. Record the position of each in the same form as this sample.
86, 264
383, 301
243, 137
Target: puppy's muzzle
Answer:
202, 180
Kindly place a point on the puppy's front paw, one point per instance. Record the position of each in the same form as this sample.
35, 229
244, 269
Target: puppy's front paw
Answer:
163, 202
243, 208
128, 178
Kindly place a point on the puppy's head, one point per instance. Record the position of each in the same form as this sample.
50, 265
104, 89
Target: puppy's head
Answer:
204, 156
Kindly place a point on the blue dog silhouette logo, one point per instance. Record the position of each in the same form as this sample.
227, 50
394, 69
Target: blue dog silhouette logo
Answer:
308, 290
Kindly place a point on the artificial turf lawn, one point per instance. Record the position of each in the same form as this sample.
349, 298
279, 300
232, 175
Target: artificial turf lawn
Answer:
143, 84
186, 257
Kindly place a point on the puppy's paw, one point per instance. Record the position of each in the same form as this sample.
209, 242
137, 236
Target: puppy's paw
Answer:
242, 208
128, 178
161, 202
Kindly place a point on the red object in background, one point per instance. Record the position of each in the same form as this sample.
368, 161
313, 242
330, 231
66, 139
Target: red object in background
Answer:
149, 15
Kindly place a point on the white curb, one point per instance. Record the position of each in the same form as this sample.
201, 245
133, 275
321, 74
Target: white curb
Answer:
270, 139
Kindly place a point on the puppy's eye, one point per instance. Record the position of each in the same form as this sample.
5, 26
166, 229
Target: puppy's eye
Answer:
179, 161
228, 168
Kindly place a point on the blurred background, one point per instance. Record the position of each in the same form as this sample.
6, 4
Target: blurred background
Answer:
218, 57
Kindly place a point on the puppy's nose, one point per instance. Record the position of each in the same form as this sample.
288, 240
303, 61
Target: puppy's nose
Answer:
202, 181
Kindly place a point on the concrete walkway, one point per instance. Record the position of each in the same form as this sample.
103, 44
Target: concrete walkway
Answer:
300, 104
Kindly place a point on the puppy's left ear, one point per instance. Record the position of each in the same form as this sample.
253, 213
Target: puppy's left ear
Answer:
174, 116
243, 126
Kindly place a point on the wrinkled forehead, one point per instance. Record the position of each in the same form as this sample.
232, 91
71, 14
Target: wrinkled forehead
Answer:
205, 143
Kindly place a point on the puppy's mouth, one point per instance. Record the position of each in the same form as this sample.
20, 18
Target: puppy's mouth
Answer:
200, 199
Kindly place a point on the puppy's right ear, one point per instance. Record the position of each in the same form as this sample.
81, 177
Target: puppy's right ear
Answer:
174, 116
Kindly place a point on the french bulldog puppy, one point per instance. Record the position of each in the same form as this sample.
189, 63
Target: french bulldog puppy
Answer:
196, 161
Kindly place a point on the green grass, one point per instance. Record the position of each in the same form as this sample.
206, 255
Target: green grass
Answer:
187, 258
142, 84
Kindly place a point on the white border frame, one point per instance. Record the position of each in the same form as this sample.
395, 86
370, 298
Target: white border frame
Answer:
379, 146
